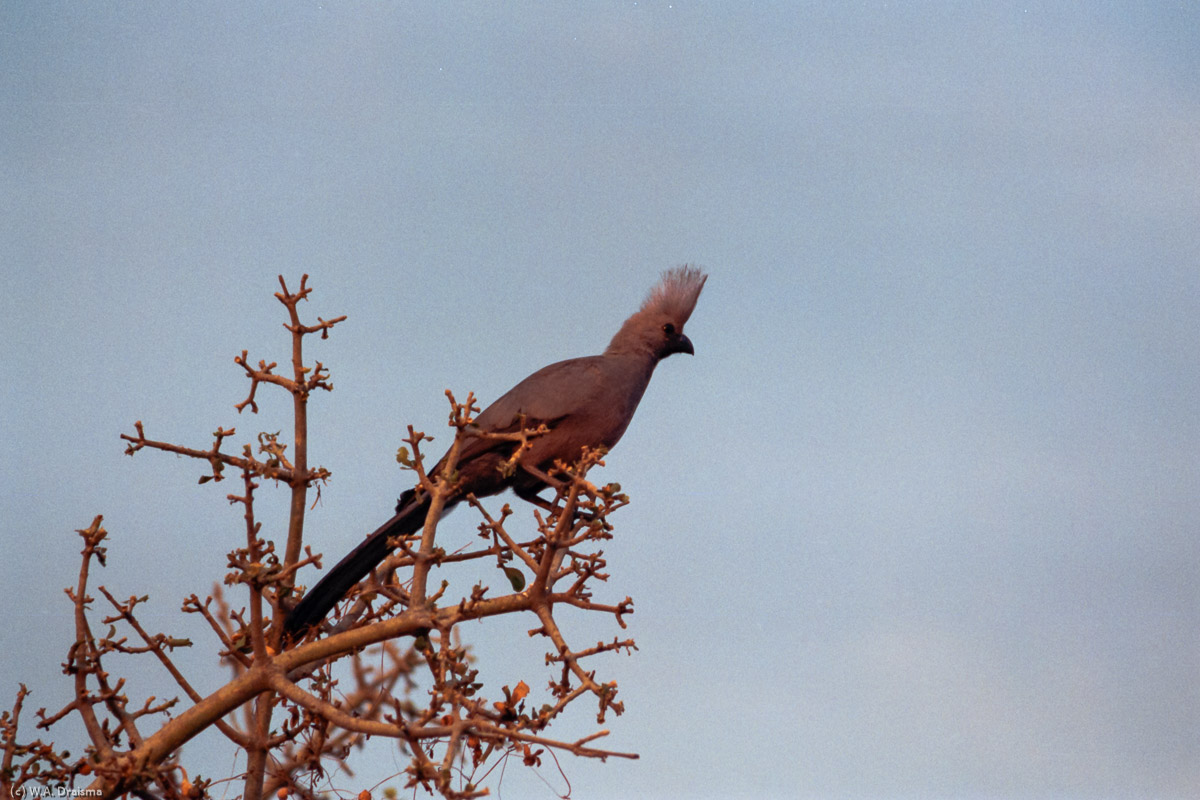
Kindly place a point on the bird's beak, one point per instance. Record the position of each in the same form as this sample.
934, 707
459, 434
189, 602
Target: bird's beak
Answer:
683, 344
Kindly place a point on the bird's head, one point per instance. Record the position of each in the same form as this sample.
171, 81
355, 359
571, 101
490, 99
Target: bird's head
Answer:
657, 328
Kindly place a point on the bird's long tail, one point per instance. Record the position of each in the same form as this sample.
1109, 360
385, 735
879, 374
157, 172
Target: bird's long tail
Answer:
313, 607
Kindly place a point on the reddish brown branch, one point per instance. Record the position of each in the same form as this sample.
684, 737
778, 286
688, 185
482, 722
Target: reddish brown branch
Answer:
291, 711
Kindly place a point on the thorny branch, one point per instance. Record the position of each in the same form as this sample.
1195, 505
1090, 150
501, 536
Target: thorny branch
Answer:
299, 712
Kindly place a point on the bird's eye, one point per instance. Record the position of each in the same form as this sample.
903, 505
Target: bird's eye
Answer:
669, 329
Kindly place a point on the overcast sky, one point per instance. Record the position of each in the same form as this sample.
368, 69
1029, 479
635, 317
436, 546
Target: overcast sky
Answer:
919, 519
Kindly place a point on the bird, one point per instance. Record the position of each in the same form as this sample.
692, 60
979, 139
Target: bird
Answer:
583, 403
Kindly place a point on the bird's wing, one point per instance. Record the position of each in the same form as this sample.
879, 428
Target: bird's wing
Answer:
549, 394
544, 398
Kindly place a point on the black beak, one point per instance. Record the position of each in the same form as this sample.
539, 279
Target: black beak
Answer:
682, 344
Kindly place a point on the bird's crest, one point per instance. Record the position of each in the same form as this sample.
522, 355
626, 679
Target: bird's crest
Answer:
676, 294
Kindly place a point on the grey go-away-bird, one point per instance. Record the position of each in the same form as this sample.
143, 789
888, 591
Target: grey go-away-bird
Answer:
584, 402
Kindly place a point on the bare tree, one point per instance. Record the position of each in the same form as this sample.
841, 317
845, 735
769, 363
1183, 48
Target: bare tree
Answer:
408, 675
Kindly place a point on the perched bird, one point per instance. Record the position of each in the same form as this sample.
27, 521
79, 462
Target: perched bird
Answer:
584, 402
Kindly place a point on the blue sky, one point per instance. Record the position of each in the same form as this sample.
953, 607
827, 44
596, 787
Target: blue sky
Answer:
920, 517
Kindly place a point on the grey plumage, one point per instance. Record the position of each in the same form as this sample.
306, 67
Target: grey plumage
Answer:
584, 402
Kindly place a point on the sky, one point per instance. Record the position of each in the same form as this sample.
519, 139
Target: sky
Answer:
918, 520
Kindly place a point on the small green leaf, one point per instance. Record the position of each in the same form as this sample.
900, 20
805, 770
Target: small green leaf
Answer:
515, 577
